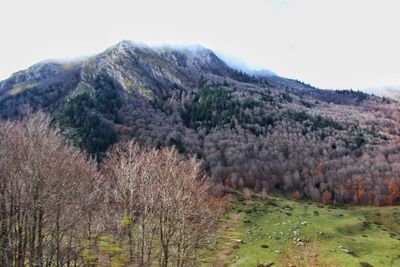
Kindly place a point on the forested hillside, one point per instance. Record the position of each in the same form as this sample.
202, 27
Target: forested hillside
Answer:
264, 133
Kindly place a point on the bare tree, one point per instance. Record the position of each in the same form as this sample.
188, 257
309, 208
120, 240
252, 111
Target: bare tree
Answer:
45, 191
166, 200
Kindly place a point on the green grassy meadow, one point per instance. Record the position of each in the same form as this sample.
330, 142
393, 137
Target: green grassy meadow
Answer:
305, 233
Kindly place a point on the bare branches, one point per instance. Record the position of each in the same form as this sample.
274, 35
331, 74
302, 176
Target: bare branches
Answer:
165, 200
147, 206
45, 192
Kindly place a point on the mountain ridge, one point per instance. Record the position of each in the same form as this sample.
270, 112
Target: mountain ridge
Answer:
261, 132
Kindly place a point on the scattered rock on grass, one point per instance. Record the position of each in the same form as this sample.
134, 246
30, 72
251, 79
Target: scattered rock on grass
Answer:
296, 232
267, 264
239, 241
345, 250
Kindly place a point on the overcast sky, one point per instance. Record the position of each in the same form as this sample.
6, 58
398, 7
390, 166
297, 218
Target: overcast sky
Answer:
330, 44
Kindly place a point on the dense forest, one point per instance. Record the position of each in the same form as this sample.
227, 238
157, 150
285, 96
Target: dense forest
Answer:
262, 133
140, 206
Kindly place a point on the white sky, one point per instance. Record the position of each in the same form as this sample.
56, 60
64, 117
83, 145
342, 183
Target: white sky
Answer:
330, 44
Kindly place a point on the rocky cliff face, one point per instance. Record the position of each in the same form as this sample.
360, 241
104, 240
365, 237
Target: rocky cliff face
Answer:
133, 66
148, 70
34, 74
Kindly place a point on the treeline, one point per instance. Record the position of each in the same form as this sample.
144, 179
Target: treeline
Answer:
141, 206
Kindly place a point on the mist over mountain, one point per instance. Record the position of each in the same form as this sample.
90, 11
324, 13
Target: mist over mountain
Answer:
387, 91
239, 64
251, 129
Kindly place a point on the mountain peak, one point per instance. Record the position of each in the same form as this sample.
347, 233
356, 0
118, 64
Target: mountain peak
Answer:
133, 65
189, 50
126, 44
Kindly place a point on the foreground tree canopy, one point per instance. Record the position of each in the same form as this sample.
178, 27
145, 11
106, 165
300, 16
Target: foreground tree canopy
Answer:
57, 208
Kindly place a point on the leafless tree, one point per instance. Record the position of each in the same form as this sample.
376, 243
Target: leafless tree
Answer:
45, 192
166, 200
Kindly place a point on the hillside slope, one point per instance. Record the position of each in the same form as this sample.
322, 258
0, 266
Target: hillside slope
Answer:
305, 233
264, 133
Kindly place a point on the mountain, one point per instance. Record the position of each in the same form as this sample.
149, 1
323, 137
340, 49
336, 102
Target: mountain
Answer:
263, 132
144, 68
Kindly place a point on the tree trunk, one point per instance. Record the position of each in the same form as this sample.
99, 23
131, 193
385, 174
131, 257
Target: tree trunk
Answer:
4, 255
142, 242
57, 237
40, 239
32, 258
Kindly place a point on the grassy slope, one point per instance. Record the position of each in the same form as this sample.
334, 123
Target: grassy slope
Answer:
371, 233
